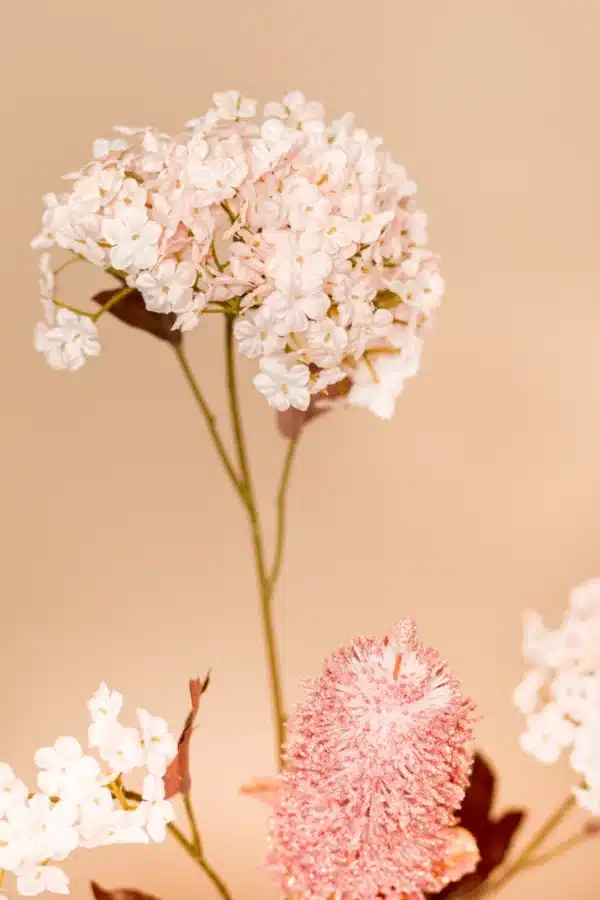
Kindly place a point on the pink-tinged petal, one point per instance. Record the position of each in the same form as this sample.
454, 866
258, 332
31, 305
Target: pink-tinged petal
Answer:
267, 789
462, 855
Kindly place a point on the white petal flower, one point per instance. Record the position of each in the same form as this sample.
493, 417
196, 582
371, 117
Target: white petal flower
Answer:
548, 734
231, 105
157, 811
66, 771
255, 334
13, 791
282, 386
34, 880
160, 747
68, 342
526, 695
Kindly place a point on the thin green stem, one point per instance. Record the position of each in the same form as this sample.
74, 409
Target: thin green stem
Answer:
579, 838
74, 309
94, 316
226, 207
67, 263
218, 264
209, 418
264, 585
189, 809
116, 298
528, 851
192, 848
281, 512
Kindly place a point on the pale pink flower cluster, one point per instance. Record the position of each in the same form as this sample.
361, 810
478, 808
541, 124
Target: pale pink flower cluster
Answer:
378, 760
79, 801
560, 693
307, 231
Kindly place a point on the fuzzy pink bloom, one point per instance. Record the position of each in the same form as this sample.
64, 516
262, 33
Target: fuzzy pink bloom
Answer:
378, 759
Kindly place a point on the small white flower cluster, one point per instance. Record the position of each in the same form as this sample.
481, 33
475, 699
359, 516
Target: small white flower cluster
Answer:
306, 231
560, 694
80, 803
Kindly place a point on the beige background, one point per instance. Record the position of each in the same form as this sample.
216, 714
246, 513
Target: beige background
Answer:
124, 554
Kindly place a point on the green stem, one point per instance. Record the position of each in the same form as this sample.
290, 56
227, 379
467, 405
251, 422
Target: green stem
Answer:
192, 848
189, 809
264, 583
112, 302
579, 838
528, 851
281, 512
209, 418
94, 316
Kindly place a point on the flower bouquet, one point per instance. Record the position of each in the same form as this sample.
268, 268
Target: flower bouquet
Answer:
305, 238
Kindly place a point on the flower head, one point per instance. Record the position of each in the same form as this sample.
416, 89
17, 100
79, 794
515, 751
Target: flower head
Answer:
80, 802
378, 759
305, 230
560, 693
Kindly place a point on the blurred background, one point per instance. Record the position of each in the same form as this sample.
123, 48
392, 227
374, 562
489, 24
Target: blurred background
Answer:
125, 556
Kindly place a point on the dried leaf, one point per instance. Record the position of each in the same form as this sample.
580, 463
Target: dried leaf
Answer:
119, 894
177, 779
132, 310
292, 421
267, 789
494, 836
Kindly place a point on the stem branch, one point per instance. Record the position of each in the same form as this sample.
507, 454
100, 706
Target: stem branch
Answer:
209, 418
528, 851
264, 582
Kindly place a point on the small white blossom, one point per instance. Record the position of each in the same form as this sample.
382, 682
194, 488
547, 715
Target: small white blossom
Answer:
133, 239
169, 286
35, 879
68, 341
66, 772
282, 386
156, 811
560, 694
159, 744
255, 334
231, 105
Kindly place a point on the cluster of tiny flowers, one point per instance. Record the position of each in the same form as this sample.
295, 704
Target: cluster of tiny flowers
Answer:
378, 760
81, 802
560, 694
306, 231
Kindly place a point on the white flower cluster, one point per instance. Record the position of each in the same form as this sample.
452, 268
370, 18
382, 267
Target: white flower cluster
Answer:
306, 231
560, 694
80, 803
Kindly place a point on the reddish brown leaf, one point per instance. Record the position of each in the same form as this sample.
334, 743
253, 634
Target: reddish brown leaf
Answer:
494, 836
177, 779
119, 894
132, 310
292, 421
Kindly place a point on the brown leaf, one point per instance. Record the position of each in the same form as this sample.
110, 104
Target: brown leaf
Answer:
494, 836
119, 894
292, 421
177, 779
132, 310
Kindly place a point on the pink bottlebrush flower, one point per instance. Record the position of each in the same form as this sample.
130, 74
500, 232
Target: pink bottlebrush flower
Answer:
377, 761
